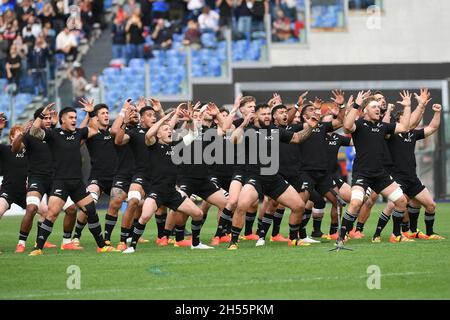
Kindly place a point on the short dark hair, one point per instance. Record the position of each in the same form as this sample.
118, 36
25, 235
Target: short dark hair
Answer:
64, 111
302, 113
99, 107
278, 107
396, 117
378, 92
145, 109
261, 106
38, 112
222, 109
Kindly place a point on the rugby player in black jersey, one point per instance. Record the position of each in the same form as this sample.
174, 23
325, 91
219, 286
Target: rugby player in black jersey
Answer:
193, 175
40, 183
103, 156
64, 144
13, 166
162, 191
314, 154
386, 109
260, 178
135, 137
368, 135
246, 106
402, 147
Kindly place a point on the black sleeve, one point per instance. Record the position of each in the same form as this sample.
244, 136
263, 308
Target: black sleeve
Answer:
420, 134
48, 136
345, 141
328, 126
285, 135
390, 127
84, 133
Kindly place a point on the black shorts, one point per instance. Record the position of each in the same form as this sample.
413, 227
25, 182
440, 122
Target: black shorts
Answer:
411, 186
73, 188
43, 185
203, 188
221, 182
272, 186
377, 182
11, 196
294, 180
171, 198
321, 181
338, 182
104, 185
139, 178
122, 182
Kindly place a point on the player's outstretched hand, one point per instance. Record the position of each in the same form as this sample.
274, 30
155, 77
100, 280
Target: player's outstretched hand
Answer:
437, 107
338, 97
406, 98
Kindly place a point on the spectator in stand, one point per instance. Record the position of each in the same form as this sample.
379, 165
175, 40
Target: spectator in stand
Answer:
146, 12
12, 30
66, 43
226, 10
281, 28
244, 17
48, 14
38, 58
135, 39
194, 8
161, 35
130, 8
22, 50
118, 39
13, 66
59, 21
24, 11
32, 28
3, 54
39, 6
299, 25
79, 85
259, 10
208, 21
192, 35
93, 90
86, 17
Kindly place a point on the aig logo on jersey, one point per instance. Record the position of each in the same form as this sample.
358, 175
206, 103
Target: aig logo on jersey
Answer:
71, 137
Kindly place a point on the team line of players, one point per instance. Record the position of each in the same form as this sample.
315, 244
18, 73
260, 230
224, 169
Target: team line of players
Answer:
132, 160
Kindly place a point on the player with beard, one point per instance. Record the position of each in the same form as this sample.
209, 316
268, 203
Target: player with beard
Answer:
402, 147
14, 168
162, 188
103, 163
263, 132
368, 135
136, 139
64, 144
40, 182
193, 176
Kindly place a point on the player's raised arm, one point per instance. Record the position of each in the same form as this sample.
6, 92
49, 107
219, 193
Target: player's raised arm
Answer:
121, 122
150, 136
238, 134
338, 114
298, 107
17, 145
422, 101
435, 122
403, 126
36, 130
308, 126
228, 121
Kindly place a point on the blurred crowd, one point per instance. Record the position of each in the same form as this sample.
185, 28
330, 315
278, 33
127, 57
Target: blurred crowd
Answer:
35, 38
142, 25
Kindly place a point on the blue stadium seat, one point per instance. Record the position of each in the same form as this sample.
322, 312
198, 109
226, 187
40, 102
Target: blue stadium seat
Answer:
137, 63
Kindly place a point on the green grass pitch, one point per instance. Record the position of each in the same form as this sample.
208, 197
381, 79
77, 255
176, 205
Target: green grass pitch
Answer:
419, 270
